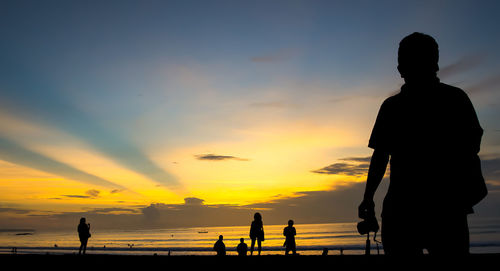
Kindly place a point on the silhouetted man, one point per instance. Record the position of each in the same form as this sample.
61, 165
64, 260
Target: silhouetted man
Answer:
432, 136
219, 247
242, 248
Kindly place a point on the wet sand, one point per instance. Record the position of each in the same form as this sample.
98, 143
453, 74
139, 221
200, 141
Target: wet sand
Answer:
307, 263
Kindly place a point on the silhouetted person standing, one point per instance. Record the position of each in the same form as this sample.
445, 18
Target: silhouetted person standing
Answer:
242, 248
432, 136
83, 234
219, 247
256, 232
289, 233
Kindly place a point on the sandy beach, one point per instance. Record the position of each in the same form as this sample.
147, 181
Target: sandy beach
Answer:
115, 262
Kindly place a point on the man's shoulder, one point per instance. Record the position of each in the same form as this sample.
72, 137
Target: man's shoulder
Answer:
442, 88
391, 101
452, 91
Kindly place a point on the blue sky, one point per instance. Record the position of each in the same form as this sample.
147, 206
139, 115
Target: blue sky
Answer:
131, 92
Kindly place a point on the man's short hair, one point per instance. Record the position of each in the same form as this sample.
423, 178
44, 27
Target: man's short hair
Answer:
418, 53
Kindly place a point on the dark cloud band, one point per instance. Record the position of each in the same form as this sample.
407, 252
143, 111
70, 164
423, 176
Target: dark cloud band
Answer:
215, 157
351, 166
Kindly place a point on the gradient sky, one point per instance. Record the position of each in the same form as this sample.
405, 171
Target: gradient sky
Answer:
122, 107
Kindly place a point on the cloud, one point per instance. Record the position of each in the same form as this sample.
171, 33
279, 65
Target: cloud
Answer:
89, 194
77, 196
463, 64
357, 159
467, 63
12, 152
354, 166
13, 210
114, 210
152, 212
339, 205
193, 201
93, 193
215, 157
491, 169
32, 98
487, 84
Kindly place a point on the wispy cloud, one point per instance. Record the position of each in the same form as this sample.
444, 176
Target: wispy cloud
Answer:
467, 63
93, 193
352, 166
357, 159
114, 210
215, 157
463, 64
490, 83
12, 152
14, 210
77, 196
303, 207
32, 98
491, 169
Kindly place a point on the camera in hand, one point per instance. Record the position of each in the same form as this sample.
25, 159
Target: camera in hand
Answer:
369, 224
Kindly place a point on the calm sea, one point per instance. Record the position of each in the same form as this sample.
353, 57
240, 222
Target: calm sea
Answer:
311, 240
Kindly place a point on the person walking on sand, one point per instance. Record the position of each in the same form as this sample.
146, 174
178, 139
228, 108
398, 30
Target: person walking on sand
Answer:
219, 246
289, 233
83, 234
256, 232
242, 248
431, 134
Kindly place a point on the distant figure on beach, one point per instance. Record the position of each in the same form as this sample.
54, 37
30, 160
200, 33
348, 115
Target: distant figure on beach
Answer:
84, 234
242, 248
219, 246
256, 232
289, 233
431, 133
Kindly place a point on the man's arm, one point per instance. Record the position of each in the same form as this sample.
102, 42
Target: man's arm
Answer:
376, 172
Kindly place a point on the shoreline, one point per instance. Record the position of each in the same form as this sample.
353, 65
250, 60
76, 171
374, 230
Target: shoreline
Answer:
108, 261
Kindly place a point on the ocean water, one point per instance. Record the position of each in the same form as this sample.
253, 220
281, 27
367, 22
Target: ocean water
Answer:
311, 239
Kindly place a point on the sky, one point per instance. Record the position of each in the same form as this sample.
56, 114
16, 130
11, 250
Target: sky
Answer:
141, 114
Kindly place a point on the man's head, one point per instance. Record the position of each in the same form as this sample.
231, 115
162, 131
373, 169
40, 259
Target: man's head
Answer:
221, 237
290, 222
242, 240
418, 57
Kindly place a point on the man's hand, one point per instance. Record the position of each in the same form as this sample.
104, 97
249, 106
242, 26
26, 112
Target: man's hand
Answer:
366, 209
